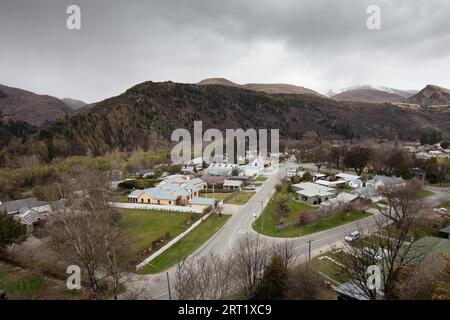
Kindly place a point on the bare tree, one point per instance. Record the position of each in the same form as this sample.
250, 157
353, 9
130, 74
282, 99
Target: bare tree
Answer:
85, 230
250, 260
209, 277
285, 249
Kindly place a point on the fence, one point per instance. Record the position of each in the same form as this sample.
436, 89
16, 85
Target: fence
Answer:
171, 243
155, 207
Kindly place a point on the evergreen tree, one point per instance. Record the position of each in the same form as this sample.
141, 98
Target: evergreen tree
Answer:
11, 230
274, 282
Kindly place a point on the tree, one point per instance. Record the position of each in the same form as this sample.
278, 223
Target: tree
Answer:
336, 154
303, 283
11, 230
86, 231
319, 155
274, 281
281, 202
357, 158
390, 246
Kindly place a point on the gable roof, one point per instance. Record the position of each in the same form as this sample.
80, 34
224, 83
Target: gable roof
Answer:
232, 183
387, 181
15, 205
347, 177
310, 189
343, 197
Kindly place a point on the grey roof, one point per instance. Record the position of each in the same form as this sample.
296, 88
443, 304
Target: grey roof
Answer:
352, 290
28, 216
445, 230
387, 181
16, 205
203, 201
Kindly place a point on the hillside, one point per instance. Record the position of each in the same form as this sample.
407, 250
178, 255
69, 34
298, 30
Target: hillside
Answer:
272, 88
29, 107
368, 95
146, 114
11, 128
431, 96
74, 104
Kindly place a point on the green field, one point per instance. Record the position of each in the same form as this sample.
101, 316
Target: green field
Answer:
330, 268
186, 246
239, 198
142, 227
22, 284
266, 222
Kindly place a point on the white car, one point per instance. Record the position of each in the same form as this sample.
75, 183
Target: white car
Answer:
250, 187
355, 235
254, 215
441, 210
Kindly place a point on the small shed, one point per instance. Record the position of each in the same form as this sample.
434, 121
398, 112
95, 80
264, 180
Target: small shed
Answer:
445, 233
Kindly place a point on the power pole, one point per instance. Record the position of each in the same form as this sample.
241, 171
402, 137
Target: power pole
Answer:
262, 215
168, 286
309, 250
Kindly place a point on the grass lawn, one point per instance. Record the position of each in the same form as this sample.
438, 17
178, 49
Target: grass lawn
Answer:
261, 178
439, 185
187, 245
444, 205
330, 268
120, 197
217, 195
239, 198
143, 226
268, 226
425, 193
23, 284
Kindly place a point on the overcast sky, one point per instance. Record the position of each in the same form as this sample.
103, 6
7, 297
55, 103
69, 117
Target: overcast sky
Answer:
319, 44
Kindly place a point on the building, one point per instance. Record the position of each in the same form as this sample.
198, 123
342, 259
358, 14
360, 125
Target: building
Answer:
255, 168
380, 181
313, 193
351, 290
368, 193
29, 212
167, 194
221, 169
351, 180
318, 176
331, 184
232, 184
184, 181
202, 203
339, 200
445, 233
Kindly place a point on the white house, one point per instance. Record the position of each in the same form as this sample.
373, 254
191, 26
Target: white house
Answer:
255, 168
380, 181
232, 184
313, 193
340, 199
331, 184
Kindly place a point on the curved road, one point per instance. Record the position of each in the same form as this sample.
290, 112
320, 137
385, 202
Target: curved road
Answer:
240, 224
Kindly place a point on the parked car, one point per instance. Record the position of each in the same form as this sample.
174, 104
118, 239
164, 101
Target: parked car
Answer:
254, 215
441, 210
355, 235
250, 187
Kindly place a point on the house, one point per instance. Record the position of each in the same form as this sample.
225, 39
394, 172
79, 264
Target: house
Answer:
221, 169
352, 180
29, 212
313, 193
145, 173
357, 183
351, 290
202, 203
340, 199
380, 181
184, 181
232, 184
13, 207
368, 193
255, 168
193, 165
331, 184
169, 194
445, 233
318, 176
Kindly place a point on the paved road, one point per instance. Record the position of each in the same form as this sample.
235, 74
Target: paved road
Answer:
240, 224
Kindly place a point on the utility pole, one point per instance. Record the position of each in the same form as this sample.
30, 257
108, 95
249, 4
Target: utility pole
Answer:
168, 285
262, 215
309, 250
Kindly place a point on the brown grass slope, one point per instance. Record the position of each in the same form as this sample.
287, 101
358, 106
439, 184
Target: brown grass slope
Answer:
431, 96
368, 95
